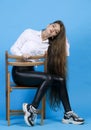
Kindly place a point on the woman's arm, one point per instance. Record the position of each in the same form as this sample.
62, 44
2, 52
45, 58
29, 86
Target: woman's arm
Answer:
18, 47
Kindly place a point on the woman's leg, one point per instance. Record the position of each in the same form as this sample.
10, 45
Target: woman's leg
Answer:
41, 91
64, 96
31, 109
26, 76
69, 116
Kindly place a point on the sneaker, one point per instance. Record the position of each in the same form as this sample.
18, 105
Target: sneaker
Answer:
72, 118
30, 115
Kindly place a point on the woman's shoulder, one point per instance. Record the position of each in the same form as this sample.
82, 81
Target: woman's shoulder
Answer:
30, 31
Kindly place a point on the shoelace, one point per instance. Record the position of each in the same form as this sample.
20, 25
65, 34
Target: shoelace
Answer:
33, 116
71, 114
74, 114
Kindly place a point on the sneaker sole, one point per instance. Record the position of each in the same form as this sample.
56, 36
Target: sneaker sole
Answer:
26, 115
65, 121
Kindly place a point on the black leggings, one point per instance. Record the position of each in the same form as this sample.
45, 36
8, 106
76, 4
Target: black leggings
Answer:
26, 76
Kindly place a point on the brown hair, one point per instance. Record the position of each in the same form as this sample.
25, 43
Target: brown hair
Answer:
56, 64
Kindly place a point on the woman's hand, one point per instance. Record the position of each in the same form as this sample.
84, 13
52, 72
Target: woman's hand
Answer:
26, 56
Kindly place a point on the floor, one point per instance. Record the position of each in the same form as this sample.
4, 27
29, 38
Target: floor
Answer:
49, 124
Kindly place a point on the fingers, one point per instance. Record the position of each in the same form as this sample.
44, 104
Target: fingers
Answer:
25, 56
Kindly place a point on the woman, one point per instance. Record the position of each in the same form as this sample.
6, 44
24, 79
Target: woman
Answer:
51, 40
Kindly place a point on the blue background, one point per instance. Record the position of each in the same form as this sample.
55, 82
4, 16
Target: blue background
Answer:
17, 15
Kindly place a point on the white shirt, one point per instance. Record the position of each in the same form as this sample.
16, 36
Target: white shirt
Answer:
30, 42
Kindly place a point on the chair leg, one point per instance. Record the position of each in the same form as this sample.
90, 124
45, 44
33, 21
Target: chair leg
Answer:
8, 100
44, 106
43, 110
42, 113
6, 105
8, 109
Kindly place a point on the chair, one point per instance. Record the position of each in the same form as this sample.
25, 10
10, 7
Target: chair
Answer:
12, 60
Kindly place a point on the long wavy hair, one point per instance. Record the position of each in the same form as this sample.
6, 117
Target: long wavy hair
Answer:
56, 63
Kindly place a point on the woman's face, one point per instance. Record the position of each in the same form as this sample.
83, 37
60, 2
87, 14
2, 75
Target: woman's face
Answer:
52, 30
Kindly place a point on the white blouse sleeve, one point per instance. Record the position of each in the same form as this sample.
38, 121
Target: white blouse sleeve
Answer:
16, 48
67, 47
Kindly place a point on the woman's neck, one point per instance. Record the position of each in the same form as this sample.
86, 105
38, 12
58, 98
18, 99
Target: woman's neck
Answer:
43, 35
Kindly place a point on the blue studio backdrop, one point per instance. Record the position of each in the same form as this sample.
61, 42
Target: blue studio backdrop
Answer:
17, 15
